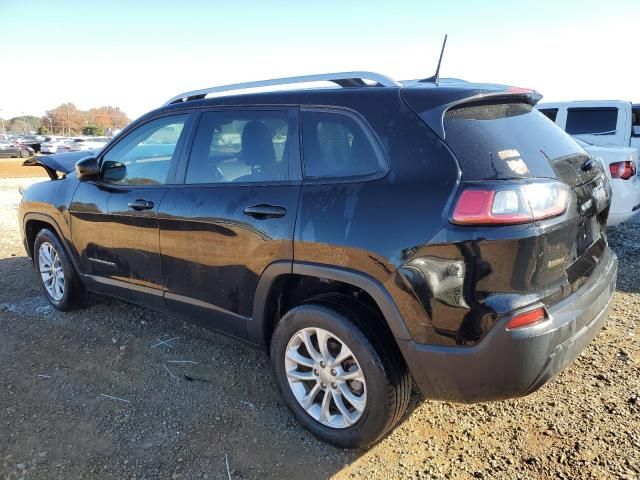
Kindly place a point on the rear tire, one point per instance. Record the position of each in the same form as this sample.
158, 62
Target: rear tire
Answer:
24, 154
385, 385
60, 283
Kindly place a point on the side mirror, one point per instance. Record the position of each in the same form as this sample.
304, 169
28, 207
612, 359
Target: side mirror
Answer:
635, 131
88, 169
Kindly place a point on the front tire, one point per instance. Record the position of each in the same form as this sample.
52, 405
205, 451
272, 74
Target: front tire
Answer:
58, 279
342, 378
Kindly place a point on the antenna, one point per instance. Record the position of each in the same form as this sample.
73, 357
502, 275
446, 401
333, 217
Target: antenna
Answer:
436, 77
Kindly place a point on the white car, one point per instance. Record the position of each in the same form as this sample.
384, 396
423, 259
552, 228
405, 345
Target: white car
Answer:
55, 145
600, 122
621, 165
92, 143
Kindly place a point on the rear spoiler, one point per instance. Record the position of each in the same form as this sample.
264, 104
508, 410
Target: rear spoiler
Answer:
58, 162
431, 108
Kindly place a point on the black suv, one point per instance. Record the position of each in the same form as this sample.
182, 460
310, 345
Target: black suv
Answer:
364, 234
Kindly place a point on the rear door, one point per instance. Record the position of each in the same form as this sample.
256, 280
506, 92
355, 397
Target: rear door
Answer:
8, 150
114, 219
233, 215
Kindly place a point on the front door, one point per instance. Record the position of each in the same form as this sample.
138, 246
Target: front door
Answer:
114, 220
232, 217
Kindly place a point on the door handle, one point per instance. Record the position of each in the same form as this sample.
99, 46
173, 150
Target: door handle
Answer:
265, 211
140, 204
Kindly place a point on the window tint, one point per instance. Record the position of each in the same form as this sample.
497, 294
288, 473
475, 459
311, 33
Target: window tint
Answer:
240, 146
334, 145
550, 113
143, 157
597, 121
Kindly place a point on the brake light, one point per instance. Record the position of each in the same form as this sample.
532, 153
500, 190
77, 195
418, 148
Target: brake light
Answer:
526, 319
519, 90
510, 204
623, 170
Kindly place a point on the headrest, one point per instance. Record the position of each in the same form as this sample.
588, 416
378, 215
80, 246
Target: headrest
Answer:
257, 144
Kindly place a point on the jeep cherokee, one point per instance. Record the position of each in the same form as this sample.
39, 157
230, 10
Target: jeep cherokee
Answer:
364, 234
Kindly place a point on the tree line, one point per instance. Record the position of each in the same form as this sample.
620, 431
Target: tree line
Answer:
67, 119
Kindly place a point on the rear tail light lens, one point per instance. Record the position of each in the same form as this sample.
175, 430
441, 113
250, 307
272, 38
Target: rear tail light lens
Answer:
527, 319
623, 170
510, 204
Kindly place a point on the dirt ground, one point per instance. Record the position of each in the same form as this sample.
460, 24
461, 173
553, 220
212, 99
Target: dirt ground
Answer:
12, 168
117, 391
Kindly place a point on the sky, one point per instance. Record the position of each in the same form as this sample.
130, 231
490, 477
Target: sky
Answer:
138, 54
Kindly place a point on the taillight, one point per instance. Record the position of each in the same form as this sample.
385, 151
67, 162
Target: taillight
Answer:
509, 204
623, 170
526, 319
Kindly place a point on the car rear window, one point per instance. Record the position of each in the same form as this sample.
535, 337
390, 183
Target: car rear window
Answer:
493, 140
595, 121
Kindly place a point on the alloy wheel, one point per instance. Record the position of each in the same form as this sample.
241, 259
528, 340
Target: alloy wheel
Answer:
325, 377
51, 271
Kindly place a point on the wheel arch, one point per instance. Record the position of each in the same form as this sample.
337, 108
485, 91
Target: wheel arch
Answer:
34, 223
264, 319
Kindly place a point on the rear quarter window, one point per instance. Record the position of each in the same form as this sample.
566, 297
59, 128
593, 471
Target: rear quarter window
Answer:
336, 144
595, 121
635, 117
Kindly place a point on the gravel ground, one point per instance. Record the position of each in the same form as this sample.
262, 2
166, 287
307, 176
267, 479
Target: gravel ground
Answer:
92, 394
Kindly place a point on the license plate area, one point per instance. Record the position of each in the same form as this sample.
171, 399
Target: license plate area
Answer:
588, 233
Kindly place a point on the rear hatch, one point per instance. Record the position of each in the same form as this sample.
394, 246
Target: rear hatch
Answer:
510, 140
499, 138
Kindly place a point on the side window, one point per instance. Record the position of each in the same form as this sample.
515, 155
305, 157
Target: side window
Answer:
550, 113
335, 145
635, 122
143, 156
240, 146
595, 121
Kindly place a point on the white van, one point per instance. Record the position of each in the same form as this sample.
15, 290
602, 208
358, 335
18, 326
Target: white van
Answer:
600, 122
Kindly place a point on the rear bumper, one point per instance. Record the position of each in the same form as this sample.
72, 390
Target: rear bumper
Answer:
625, 200
513, 363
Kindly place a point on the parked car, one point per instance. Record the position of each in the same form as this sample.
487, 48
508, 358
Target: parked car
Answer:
90, 143
55, 145
621, 166
34, 142
343, 231
600, 122
10, 149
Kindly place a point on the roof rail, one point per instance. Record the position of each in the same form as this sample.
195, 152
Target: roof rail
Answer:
343, 79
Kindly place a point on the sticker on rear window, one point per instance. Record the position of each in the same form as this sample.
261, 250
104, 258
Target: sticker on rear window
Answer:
518, 166
510, 154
